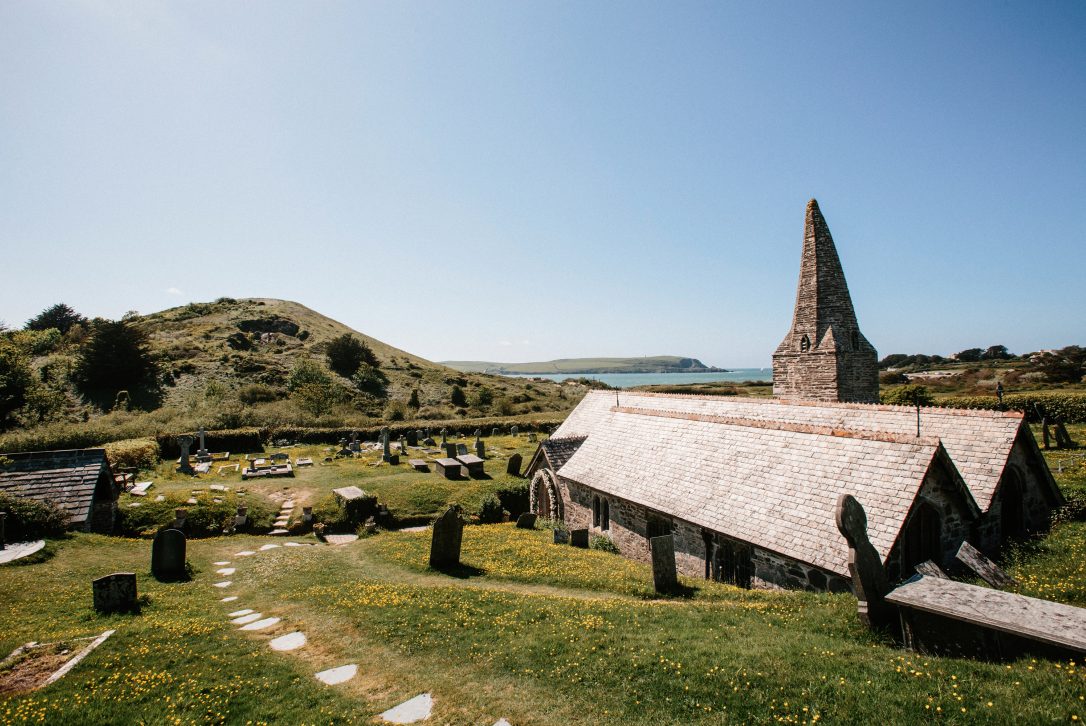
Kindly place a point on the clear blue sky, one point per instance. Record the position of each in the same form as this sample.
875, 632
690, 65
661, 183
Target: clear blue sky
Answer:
529, 180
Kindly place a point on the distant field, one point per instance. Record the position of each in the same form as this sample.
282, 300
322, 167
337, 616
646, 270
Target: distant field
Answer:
647, 364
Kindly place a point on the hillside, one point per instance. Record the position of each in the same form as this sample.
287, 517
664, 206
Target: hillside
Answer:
645, 364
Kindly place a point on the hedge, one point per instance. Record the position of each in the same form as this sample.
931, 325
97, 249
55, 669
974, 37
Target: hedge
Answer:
29, 519
1065, 407
138, 453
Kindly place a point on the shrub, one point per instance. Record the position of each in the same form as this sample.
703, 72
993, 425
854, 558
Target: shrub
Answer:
206, 518
30, 520
482, 398
457, 397
307, 372
1066, 407
16, 380
258, 393
490, 510
139, 453
347, 353
369, 379
907, 396
413, 402
395, 411
603, 544
344, 517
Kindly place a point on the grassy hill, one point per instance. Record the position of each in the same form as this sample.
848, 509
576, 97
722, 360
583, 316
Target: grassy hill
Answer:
644, 364
228, 363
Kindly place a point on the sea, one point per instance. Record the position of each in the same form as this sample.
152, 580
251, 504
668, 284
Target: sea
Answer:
629, 380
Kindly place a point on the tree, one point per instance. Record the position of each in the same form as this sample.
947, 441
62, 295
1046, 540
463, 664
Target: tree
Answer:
60, 316
369, 379
996, 352
347, 353
318, 398
910, 395
16, 380
413, 402
1063, 365
457, 397
969, 355
306, 372
482, 398
893, 360
116, 357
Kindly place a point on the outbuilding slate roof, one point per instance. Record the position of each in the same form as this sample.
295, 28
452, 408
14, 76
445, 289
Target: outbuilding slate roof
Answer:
558, 450
978, 442
65, 478
771, 484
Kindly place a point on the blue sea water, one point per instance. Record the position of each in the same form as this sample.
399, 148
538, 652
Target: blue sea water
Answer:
628, 380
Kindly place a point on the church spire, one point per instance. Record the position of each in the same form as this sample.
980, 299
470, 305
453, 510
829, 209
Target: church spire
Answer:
824, 356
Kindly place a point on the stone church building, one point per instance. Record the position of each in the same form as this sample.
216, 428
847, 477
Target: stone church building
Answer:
749, 486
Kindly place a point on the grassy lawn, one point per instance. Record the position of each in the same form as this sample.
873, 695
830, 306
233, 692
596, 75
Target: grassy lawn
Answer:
527, 631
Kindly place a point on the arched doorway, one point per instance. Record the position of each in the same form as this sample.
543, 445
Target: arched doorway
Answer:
1012, 518
546, 501
922, 540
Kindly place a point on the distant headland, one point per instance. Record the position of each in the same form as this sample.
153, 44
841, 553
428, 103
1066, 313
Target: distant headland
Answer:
589, 366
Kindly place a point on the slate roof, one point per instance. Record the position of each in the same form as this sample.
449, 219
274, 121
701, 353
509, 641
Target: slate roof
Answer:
979, 442
66, 478
771, 484
559, 450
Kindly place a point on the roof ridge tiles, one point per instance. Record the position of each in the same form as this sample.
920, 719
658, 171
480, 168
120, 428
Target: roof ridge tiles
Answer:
827, 404
813, 429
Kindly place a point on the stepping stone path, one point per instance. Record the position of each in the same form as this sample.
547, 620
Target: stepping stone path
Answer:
502, 722
410, 711
232, 598
17, 550
261, 624
279, 526
226, 571
335, 676
239, 613
220, 564
245, 553
246, 619
341, 539
224, 583
290, 641
267, 547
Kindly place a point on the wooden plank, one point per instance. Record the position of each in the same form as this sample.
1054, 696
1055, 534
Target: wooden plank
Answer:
1028, 617
930, 569
985, 569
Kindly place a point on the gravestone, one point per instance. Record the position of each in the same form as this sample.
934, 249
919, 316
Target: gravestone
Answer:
307, 515
478, 433
183, 465
429, 442
532, 438
984, 568
561, 536
180, 516
526, 521
1063, 439
386, 451
115, 593
444, 437
450, 450
927, 568
168, 555
664, 576
202, 452
513, 467
447, 537
279, 456
514, 430
494, 431
864, 564
480, 448
413, 437
579, 538
461, 450
242, 517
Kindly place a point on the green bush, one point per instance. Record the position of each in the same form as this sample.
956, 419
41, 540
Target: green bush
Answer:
491, 511
603, 544
258, 393
1066, 407
344, 518
140, 453
206, 518
907, 396
30, 520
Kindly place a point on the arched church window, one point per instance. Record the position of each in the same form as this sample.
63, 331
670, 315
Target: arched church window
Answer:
923, 539
804, 344
595, 511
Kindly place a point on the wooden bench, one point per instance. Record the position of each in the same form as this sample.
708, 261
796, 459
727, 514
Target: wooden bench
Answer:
448, 468
954, 618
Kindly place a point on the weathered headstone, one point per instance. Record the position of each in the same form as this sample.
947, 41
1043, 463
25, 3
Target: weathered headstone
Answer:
513, 466
444, 436
450, 449
478, 433
864, 564
514, 430
168, 555
115, 593
403, 445
561, 536
183, 465
447, 536
180, 516
579, 538
480, 448
413, 436
526, 520
984, 568
429, 442
461, 449
242, 517
202, 452
494, 431
1063, 439
664, 575
532, 438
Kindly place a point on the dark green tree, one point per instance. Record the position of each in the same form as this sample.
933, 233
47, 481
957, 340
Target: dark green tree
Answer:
413, 402
996, 352
60, 316
347, 353
116, 357
16, 380
969, 355
369, 379
1063, 365
457, 397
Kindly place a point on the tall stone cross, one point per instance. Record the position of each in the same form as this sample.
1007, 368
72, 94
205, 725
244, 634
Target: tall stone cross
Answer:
203, 447
864, 564
184, 467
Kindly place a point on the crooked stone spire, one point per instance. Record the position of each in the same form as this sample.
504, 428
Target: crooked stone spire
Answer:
824, 357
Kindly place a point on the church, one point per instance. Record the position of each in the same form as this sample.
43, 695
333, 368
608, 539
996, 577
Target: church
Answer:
748, 486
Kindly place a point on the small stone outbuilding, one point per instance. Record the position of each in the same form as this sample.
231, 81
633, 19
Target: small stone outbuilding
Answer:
79, 481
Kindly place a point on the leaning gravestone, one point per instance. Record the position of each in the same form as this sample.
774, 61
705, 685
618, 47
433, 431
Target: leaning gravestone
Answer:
664, 577
579, 538
864, 564
168, 555
115, 593
985, 569
480, 448
526, 521
447, 537
513, 467
461, 450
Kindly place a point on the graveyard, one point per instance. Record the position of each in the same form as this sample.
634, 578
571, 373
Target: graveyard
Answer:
519, 628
